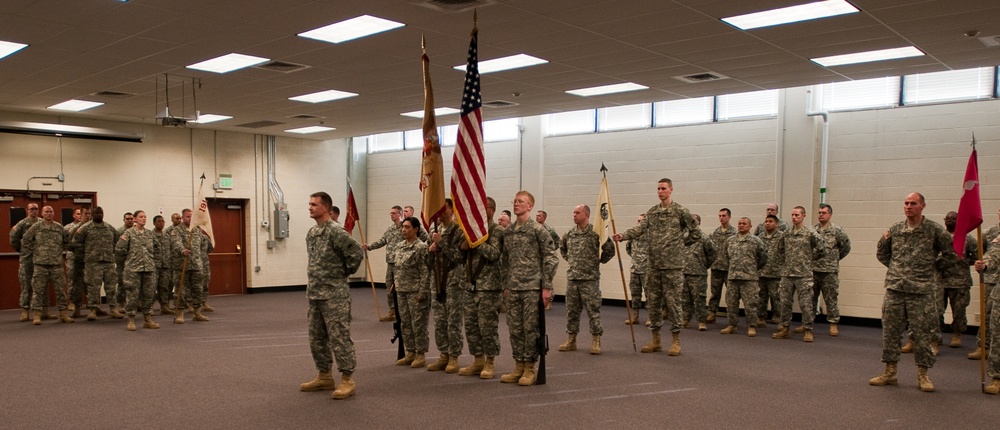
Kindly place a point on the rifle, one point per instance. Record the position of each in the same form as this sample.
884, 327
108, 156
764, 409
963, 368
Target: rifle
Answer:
397, 326
542, 343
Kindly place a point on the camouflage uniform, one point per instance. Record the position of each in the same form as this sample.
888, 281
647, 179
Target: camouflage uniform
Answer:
990, 277
46, 241
670, 230
206, 267
140, 250
957, 282
119, 297
163, 274
581, 248
25, 267
826, 278
760, 230
96, 241
482, 309
77, 287
190, 274
413, 281
992, 260
910, 282
796, 252
390, 239
700, 256
333, 256
448, 315
528, 253
553, 233
770, 276
719, 266
636, 249
747, 255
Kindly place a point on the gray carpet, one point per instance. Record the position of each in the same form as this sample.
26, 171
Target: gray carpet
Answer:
243, 368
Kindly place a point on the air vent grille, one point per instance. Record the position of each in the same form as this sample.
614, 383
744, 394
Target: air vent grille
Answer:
453, 6
282, 66
305, 116
260, 124
113, 94
499, 104
701, 77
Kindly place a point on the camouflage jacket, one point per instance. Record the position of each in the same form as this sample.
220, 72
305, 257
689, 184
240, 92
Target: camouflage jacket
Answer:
638, 249
206, 248
700, 257
390, 239
760, 230
747, 255
17, 234
96, 242
553, 233
838, 245
412, 273
668, 230
992, 260
910, 253
528, 254
179, 237
139, 249
162, 242
45, 242
449, 257
333, 256
582, 250
486, 259
719, 238
798, 249
954, 272
773, 267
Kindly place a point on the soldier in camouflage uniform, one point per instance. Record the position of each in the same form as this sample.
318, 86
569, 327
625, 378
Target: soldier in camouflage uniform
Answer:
206, 269
541, 217
636, 285
186, 246
770, 275
171, 256
772, 209
77, 271
73, 292
720, 265
991, 239
412, 282
826, 270
671, 228
581, 248
45, 241
25, 267
421, 234
96, 242
482, 307
797, 249
528, 253
390, 239
957, 281
909, 249
701, 255
746, 255
163, 275
128, 220
451, 280
333, 256
991, 261
141, 250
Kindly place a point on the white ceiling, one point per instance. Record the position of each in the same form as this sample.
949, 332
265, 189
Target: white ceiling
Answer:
82, 47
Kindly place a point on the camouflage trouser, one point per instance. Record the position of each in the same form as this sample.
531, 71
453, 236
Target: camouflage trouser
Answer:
390, 278
770, 291
192, 288
693, 298
482, 320
330, 335
206, 278
119, 298
664, 287
801, 288
45, 273
414, 308
98, 274
163, 286
582, 295
749, 292
140, 287
959, 299
920, 311
635, 287
993, 359
985, 325
718, 279
522, 323
77, 286
827, 283
25, 271
448, 320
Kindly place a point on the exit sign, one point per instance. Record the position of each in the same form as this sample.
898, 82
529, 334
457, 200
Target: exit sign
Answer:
225, 181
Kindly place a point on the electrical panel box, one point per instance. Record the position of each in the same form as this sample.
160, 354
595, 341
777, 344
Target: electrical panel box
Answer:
280, 224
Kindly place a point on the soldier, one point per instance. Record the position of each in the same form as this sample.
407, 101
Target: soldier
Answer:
77, 288
671, 228
76, 222
770, 276
992, 260
186, 246
333, 256
412, 283
636, 249
909, 249
45, 241
173, 263
390, 239
772, 209
581, 248
528, 253
482, 309
141, 251
990, 277
128, 220
701, 255
719, 266
96, 241
825, 270
421, 233
206, 269
504, 221
450, 282
797, 249
957, 281
746, 255
163, 275
25, 267
541, 217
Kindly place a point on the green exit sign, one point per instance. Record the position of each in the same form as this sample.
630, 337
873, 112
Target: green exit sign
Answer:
226, 182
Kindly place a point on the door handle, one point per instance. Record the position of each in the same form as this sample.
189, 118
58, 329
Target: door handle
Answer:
238, 249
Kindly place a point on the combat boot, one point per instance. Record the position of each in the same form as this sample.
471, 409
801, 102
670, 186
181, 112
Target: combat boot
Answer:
994, 387
934, 348
956, 340
654, 344
452, 366
345, 389
64, 317
198, 316
92, 314
908, 348
205, 307
888, 377
570, 344
976, 355
783, 333
761, 323
488, 369
634, 319
418, 361
115, 314
440, 364
323, 381
799, 329
406, 360
808, 336
833, 330
165, 309
922, 379
529, 377
100, 312
675, 345
476, 367
46, 315
24, 315
515, 375
751, 331
711, 317
130, 325
36, 317
147, 322
595, 345
391, 316
730, 329
702, 327
178, 315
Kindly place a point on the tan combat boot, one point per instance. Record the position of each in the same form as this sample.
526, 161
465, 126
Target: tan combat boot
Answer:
908, 348
654, 344
24, 315
36, 317
440, 364
751, 331
956, 340
730, 329
165, 309
345, 389
976, 355
570, 344
418, 361
488, 369
46, 315
130, 325
92, 314
888, 377
833, 330
675, 345
198, 315
994, 387
452, 366
147, 322
922, 379
711, 317
323, 381
529, 377
783, 333
595, 345
761, 323
64, 317
634, 319
808, 336
515, 375
799, 329
391, 316
205, 307
476, 367
702, 327
114, 313
407, 359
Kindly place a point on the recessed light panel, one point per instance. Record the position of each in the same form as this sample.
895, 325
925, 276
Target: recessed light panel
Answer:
505, 63
75, 105
7, 48
787, 15
227, 63
308, 130
437, 112
868, 57
354, 28
206, 118
323, 96
607, 89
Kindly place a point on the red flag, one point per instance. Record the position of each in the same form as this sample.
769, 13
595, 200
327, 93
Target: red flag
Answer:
468, 175
432, 165
970, 208
352, 211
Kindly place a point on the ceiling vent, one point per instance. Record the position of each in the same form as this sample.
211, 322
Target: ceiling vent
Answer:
499, 104
701, 77
453, 6
259, 124
990, 41
305, 116
113, 94
281, 66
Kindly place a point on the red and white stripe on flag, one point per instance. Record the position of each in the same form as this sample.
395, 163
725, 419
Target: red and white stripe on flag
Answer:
468, 176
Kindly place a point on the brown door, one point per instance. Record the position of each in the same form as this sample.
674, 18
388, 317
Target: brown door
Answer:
228, 260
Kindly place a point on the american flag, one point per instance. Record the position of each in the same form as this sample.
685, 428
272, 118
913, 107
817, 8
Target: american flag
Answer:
468, 176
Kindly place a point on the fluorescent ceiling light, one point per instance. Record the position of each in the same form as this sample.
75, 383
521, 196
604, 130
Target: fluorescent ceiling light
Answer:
787, 15
229, 62
7, 48
210, 117
437, 112
870, 56
354, 28
311, 129
75, 105
505, 63
607, 89
322, 96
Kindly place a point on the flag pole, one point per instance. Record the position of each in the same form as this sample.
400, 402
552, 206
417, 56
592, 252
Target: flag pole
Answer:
368, 264
621, 268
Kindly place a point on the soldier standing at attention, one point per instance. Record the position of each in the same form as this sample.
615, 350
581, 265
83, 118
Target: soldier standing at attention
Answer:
45, 241
96, 241
770, 276
390, 239
957, 281
581, 248
206, 269
77, 287
421, 233
141, 251
162, 266
636, 249
541, 217
128, 220
747, 255
412, 281
25, 267
482, 309
797, 249
909, 249
826, 269
333, 256
504, 218
671, 228
451, 279
70, 257
720, 265
990, 261
187, 244
701, 255
991, 275
772, 209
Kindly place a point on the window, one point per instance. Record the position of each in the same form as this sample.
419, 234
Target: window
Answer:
686, 111
576, 122
386, 142
747, 105
952, 85
501, 129
863, 94
449, 135
628, 117
413, 139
